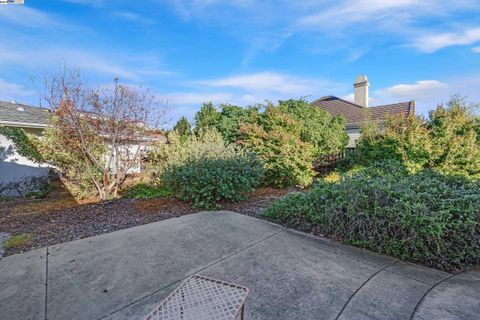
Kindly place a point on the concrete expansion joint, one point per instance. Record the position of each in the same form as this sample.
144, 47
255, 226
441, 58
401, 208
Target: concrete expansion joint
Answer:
363, 285
419, 303
46, 282
200, 270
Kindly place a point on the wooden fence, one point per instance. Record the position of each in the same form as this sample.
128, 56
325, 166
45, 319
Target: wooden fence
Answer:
328, 163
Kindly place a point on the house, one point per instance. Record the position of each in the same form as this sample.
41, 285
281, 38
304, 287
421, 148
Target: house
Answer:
14, 167
358, 112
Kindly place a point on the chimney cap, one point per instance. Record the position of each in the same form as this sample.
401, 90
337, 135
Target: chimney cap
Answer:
361, 79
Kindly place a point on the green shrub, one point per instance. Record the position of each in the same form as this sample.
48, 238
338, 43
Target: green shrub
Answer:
288, 138
446, 142
204, 169
232, 118
146, 191
208, 181
326, 133
425, 217
276, 139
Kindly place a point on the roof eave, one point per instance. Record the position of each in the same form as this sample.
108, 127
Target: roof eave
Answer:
23, 124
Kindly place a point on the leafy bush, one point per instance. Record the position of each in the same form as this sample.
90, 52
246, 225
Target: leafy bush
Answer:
425, 217
276, 139
446, 142
232, 118
204, 169
208, 181
146, 191
288, 137
58, 149
326, 133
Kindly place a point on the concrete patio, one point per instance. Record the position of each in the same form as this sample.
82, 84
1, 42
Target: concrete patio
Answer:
124, 274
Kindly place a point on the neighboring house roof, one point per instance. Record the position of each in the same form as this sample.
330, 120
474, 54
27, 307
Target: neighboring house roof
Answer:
19, 115
356, 115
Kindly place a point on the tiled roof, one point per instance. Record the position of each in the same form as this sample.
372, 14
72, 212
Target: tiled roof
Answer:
356, 115
16, 114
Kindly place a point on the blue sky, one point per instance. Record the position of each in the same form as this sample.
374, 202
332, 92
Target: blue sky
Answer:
248, 51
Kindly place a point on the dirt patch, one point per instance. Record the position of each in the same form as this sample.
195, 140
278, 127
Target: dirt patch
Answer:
55, 221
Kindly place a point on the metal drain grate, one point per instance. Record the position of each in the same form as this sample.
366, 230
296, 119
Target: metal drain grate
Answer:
202, 298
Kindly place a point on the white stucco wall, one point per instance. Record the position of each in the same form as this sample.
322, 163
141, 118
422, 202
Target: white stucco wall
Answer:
16, 167
353, 135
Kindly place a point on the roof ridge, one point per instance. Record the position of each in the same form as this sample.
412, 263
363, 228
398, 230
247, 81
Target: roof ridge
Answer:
346, 101
391, 104
22, 105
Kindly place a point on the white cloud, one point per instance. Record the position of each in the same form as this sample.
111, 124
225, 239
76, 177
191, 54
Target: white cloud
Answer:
188, 9
421, 90
270, 82
434, 42
134, 17
188, 103
88, 61
354, 11
12, 91
26, 16
476, 50
190, 98
92, 3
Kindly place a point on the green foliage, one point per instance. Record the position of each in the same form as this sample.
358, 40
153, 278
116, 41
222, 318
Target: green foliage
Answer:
206, 181
183, 128
64, 153
446, 142
276, 139
327, 134
146, 191
425, 216
231, 118
22, 142
454, 139
18, 240
204, 169
206, 117
287, 137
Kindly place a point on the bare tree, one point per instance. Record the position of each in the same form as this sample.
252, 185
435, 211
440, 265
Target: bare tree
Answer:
110, 125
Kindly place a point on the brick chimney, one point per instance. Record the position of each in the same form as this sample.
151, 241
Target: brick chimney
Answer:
361, 91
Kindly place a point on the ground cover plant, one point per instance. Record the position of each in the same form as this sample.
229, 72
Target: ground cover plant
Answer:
146, 191
18, 241
424, 217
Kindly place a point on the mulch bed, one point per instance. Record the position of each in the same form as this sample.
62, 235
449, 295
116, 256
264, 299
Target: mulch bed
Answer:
60, 220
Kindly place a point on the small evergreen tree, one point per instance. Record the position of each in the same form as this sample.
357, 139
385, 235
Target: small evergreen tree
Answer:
206, 117
183, 128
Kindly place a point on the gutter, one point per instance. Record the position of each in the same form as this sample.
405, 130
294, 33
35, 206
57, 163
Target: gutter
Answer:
24, 124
